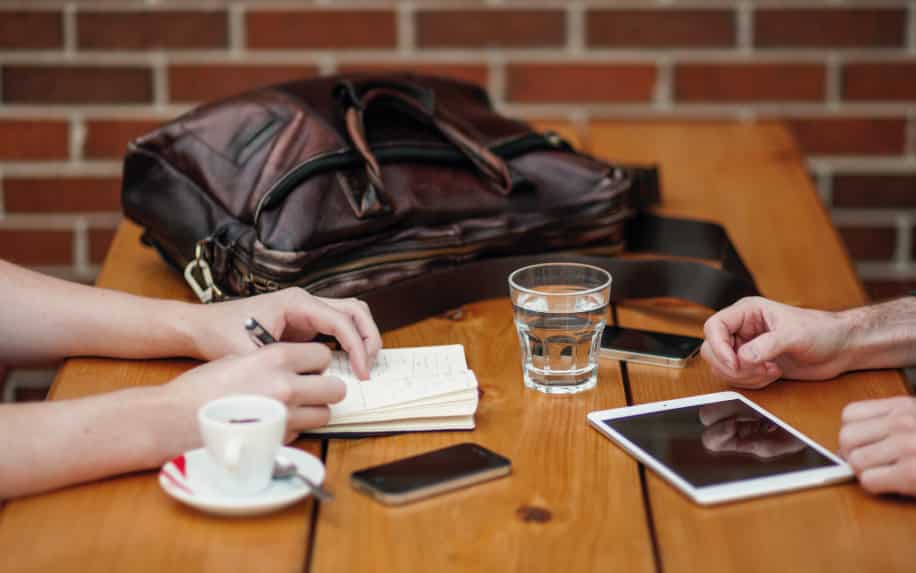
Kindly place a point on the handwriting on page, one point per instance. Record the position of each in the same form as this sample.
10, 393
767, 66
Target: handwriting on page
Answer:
371, 395
404, 363
402, 375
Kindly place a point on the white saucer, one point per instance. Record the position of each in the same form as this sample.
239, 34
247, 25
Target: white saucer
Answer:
187, 478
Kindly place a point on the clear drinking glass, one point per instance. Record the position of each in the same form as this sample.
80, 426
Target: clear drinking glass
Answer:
560, 310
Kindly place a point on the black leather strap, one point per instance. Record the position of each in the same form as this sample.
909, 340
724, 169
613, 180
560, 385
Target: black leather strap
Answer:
414, 299
684, 238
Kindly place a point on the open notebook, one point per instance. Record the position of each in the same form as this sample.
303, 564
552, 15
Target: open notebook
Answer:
409, 390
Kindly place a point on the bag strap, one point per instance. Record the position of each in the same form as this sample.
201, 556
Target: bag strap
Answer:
420, 104
685, 238
439, 291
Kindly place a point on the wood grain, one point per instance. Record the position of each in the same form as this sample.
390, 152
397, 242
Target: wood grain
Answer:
756, 185
594, 518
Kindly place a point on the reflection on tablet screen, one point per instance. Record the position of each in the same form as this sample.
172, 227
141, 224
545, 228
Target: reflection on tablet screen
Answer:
718, 442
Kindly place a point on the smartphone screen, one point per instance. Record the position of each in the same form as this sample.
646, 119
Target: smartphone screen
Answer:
430, 473
649, 343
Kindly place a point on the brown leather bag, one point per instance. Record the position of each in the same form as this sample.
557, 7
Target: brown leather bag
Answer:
408, 191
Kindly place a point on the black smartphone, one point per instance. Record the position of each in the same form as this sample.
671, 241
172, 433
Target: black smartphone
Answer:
648, 347
431, 473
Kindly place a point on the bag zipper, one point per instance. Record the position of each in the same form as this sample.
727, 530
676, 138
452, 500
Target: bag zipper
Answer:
404, 253
348, 158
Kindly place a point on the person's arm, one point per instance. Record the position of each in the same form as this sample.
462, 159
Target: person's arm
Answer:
43, 319
52, 444
757, 341
882, 335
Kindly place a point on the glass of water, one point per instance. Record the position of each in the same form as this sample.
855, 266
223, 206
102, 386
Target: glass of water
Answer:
560, 310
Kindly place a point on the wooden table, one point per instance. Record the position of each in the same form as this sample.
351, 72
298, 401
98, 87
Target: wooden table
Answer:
575, 502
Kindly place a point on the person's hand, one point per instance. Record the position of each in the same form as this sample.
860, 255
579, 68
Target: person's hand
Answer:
734, 427
290, 373
289, 315
878, 439
757, 341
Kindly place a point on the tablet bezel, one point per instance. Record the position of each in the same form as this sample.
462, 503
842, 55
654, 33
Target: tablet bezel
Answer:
730, 491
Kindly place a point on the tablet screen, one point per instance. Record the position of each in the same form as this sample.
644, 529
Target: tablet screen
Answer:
718, 442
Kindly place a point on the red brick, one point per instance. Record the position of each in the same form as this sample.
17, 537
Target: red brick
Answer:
869, 243
61, 194
884, 81
210, 82
875, 191
660, 28
850, 136
572, 82
108, 138
888, 289
36, 247
31, 30
743, 82
34, 139
321, 29
473, 73
151, 29
77, 84
497, 27
828, 28
99, 242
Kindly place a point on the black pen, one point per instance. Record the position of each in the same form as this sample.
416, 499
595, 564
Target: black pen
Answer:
261, 337
258, 333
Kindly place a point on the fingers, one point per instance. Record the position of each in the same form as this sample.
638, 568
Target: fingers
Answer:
308, 401
897, 478
361, 315
297, 358
878, 439
866, 409
328, 320
861, 433
726, 329
719, 342
750, 377
881, 453
316, 390
303, 418
765, 347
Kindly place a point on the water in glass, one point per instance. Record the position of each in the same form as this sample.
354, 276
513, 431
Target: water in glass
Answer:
559, 330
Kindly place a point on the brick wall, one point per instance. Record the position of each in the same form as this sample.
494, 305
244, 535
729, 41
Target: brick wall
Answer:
79, 79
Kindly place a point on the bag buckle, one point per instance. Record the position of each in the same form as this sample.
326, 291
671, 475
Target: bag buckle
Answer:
209, 292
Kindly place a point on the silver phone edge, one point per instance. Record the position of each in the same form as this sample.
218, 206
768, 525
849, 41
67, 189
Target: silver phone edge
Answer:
435, 489
651, 359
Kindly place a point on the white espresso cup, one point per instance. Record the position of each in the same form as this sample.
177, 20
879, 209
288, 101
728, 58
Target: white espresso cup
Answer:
242, 434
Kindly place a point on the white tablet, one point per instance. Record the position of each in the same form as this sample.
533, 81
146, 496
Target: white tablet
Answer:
720, 447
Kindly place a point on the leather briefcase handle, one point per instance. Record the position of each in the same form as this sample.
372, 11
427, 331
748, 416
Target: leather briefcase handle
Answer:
357, 104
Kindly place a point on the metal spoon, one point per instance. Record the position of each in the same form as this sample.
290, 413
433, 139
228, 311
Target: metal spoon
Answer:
285, 468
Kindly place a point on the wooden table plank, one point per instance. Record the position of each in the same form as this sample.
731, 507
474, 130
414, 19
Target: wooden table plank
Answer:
128, 523
596, 517
756, 185
749, 178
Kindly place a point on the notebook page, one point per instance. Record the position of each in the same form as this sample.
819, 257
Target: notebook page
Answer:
404, 363
462, 408
379, 393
